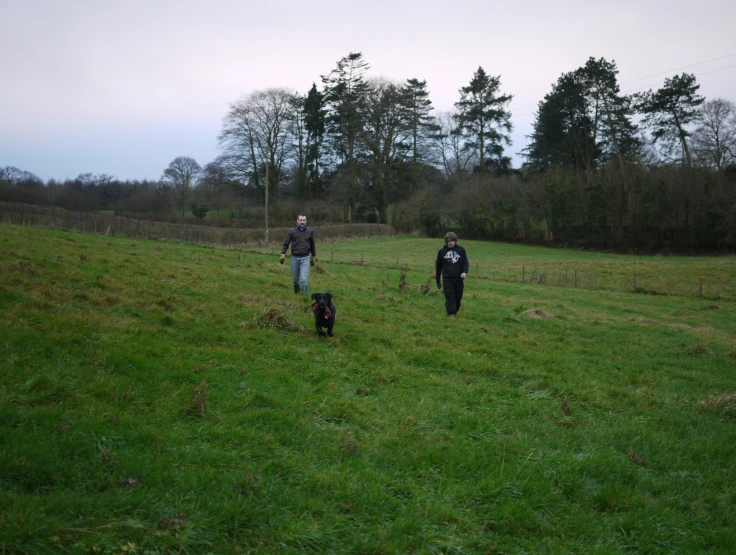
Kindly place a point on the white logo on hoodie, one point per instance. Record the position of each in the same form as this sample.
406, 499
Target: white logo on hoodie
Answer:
452, 255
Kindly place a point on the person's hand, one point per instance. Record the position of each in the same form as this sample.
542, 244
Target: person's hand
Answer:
312, 260
281, 258
463, 275
439, 285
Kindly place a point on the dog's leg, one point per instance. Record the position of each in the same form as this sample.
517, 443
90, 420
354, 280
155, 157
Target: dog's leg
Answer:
331, 323
320, 332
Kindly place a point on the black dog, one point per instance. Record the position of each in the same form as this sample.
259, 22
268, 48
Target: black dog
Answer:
324, 313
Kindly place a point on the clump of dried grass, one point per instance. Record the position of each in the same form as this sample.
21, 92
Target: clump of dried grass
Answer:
680, 326
697, 349
635, 458
725, 403
198, 400
537, 314
277, 318
643, 320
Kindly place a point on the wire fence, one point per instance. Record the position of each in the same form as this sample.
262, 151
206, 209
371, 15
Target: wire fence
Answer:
717, 285
106, 224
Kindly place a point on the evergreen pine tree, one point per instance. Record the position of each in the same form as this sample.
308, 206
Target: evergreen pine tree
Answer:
314, 123
344, 96
670, 110
417, 112
484, 119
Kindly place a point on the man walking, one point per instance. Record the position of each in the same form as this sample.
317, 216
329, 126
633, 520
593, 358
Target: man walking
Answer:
301, 239
452, 263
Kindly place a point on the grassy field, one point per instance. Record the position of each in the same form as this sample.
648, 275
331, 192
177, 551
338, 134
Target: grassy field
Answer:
170, 398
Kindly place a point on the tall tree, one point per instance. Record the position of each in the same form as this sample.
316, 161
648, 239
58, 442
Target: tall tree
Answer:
418, 108
669, 111
612, 110
447, 145
181, 176
385, 135
584, 121
314, 123
714, 140
564, 131
299, 142
345, 90
257, 130
483, 117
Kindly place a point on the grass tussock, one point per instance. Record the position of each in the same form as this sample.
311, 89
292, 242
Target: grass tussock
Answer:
724, 403
537, 314
635, 458
697, 349
276, 317
198, 400
643, 320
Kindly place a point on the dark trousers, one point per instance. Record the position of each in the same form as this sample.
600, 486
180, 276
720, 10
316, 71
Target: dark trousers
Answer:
453, 288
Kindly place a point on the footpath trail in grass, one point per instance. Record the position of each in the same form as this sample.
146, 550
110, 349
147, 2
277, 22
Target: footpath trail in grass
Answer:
160, 397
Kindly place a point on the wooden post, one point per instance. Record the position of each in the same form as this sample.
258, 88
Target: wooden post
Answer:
397, 261
701, 287
634, 280
576, 278
523, 277
266, 204
476, 270
332, 256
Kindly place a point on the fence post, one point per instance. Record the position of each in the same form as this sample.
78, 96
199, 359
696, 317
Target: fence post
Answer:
701, 287
576, 279
477, 272
523, 277
634, 280
332, 256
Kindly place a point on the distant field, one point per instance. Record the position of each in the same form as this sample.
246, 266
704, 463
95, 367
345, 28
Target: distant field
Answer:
161, 397
658, 275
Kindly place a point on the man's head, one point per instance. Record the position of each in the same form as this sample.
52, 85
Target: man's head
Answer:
450, 237
301, 220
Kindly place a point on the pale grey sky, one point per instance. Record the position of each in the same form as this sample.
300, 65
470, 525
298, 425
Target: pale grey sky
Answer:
124, 87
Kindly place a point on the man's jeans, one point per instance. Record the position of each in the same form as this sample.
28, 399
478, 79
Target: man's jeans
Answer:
300, 270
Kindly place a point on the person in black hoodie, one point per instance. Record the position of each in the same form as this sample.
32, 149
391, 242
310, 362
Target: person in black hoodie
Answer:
452, 263
303, 254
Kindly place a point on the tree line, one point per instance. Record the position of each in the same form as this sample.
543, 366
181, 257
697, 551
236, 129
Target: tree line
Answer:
603, 169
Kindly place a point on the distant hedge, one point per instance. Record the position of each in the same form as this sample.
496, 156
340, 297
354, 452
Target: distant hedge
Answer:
86, 222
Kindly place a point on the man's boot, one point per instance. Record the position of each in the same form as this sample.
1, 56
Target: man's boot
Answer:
304, 290
296, 289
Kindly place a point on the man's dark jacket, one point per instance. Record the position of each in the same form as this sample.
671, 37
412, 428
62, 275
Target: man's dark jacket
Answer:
451, 262
302, 242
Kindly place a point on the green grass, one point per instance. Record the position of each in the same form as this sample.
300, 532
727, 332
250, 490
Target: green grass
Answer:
150, 402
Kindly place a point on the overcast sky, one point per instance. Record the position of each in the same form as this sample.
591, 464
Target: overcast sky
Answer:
124, 87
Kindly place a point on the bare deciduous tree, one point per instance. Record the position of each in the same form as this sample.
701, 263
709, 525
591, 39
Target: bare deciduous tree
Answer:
258, 129
449, 151
714, 141
181, 176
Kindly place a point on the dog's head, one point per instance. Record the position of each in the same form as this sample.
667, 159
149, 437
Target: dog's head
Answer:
321, 300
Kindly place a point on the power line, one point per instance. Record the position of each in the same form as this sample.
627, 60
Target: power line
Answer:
679, 68
649, 76
641, 88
